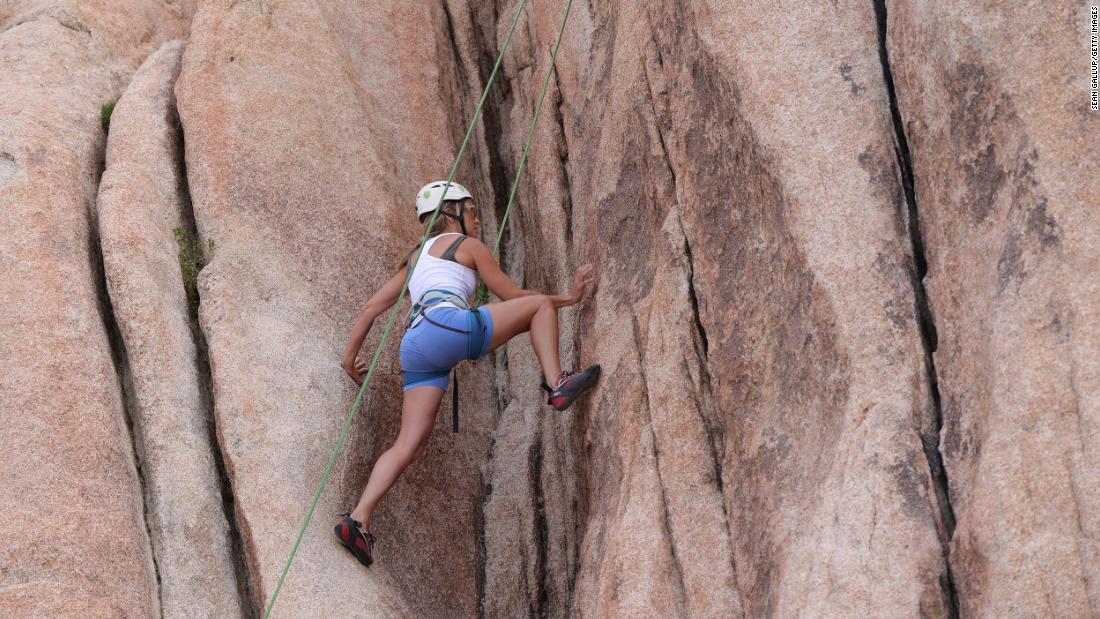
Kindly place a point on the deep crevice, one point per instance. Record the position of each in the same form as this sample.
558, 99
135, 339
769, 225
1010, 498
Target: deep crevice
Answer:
482, 59
715, 443
925, 319
243, 578
495, 144
541, 532
481, 578
694, 298
121, 361
563, 162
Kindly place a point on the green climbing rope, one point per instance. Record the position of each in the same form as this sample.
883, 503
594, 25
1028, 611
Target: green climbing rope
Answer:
396, 308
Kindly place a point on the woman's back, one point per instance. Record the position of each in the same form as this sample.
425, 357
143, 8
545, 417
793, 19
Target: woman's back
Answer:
442, 273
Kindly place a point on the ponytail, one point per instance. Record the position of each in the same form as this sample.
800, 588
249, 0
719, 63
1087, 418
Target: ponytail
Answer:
450, 207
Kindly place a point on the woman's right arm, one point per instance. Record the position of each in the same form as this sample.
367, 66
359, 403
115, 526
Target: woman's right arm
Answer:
377, 304
502, 286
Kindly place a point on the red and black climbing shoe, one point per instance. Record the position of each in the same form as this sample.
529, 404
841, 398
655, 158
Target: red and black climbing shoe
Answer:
570, 386
352, 537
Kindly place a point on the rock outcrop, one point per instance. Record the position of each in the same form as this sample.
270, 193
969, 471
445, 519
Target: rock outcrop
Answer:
994, 108
305, 142
73, 535
756, 443
143, 201
845, 309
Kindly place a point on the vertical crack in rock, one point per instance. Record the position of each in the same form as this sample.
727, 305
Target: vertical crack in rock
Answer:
491, 123
706, 397
563, 162
694, 298
480, 577
245, 593
121, 361
541, 530
714, 430
646, 406
926, 322
481, 61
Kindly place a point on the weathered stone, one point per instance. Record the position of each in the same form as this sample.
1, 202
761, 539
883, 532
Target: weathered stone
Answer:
995, 108
72, 538
142, 201
755, 443
765, 440
306, 141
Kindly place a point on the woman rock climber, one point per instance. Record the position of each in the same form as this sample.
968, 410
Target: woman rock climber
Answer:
442, 331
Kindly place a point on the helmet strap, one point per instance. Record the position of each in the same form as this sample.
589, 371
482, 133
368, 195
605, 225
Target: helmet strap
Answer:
461, 217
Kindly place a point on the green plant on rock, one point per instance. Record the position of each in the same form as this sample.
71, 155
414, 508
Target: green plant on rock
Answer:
193, 257
105, 111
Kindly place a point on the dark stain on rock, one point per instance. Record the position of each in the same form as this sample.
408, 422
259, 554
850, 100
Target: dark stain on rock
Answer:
882, 175
638, 205
976, 114
997, 164
912, 487
846, 75
8, 168
777, 366
1010, 267
984, 178
1042, 226
897, 312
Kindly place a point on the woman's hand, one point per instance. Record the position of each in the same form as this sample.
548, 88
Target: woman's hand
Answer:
355, 370
586, 276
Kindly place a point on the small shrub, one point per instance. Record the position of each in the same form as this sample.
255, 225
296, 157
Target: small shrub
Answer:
105, 111
193, 257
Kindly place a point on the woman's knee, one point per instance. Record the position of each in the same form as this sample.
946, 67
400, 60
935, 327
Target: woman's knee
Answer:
543, 303
409, 450
405, 451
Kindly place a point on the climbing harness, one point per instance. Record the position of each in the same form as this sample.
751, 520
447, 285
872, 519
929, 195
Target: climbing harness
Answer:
393, 314
432, 298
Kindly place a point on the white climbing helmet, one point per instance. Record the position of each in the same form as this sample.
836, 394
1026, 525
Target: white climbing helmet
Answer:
428, 197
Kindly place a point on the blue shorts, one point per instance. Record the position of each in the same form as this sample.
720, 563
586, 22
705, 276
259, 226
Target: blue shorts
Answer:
428, 352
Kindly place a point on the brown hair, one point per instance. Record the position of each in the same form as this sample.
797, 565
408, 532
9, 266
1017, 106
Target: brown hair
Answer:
449, 206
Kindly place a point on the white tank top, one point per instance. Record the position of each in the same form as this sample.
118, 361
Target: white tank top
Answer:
437, 273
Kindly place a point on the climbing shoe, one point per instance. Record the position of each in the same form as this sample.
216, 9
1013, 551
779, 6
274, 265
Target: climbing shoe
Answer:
570, 386
352, 537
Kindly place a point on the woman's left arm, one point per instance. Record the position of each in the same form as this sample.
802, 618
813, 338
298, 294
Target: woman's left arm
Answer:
377, 304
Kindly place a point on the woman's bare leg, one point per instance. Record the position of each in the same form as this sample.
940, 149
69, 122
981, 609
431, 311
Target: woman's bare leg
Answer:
534, 313
418, 412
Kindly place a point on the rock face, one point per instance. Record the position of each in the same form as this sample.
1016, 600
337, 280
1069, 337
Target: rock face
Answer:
305, 145
755, 446
999, 129
782, 384
142, 201
73, 536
